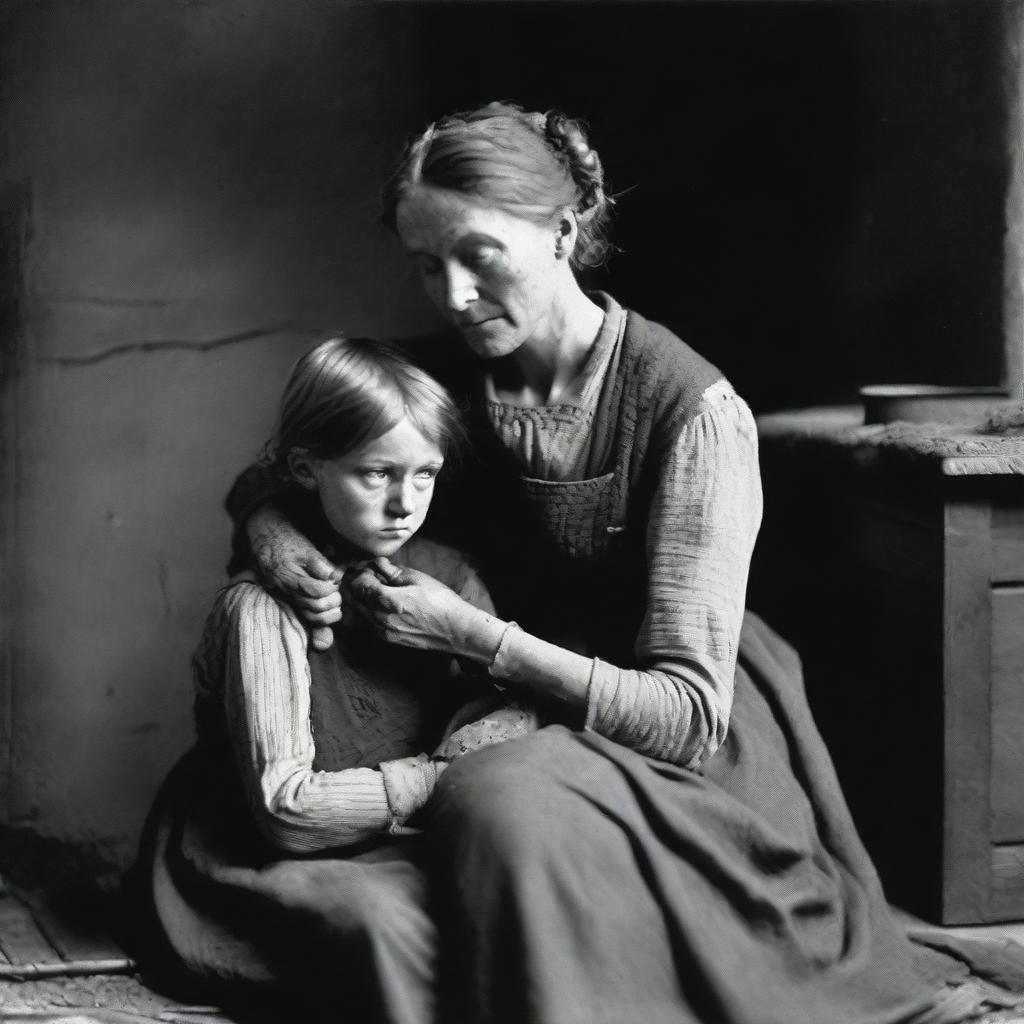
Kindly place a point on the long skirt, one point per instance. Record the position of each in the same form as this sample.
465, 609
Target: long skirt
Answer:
563, 879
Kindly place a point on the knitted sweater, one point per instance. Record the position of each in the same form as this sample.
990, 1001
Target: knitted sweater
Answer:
329, 748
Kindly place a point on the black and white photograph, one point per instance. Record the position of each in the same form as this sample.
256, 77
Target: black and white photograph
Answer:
512, 512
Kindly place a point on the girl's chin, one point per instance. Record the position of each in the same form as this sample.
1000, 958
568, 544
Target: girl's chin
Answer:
347, 551
387, 549
386, 544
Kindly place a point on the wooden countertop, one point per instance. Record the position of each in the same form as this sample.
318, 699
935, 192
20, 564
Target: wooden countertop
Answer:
989, 447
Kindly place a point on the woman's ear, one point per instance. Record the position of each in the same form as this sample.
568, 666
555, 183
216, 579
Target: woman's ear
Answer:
567, 230
302, 467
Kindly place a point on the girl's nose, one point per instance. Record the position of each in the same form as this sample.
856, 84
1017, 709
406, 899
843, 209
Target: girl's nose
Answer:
402, 501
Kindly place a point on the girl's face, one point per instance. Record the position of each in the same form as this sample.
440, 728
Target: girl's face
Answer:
490, 273
376, 496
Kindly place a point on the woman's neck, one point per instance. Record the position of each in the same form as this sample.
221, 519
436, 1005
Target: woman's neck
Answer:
544, 366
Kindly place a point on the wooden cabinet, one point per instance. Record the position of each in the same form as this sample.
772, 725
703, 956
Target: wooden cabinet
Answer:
893, 558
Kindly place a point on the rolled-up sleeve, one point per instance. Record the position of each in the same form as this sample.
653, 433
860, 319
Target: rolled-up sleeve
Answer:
704, 520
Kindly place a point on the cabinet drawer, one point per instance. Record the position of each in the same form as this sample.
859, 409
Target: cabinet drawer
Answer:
1008, 714
1007, 896
1008, 544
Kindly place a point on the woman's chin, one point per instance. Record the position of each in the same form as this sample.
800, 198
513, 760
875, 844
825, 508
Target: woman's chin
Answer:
491, 340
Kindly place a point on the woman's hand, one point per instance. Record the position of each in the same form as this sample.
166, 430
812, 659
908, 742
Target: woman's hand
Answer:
409, 608
290, 564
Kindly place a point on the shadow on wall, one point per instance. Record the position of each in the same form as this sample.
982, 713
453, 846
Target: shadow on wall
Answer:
203, 182
814, 192
813, 198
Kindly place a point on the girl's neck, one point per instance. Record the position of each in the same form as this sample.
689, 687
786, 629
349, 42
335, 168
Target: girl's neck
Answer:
544, 366
345, 554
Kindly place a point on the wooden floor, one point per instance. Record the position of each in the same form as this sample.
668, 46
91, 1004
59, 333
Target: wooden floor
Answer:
44, 941
60, 965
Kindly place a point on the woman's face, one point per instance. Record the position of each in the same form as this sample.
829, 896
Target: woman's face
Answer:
492, 274
376, 496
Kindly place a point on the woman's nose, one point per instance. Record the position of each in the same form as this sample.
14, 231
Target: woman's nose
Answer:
460, 288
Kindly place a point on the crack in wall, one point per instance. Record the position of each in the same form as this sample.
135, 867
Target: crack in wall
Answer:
163, 576
99, 300
179, 344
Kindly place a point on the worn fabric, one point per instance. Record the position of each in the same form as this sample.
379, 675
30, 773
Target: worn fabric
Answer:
557, 442
279, 850
263, 693
584, 881
654, 546
678, 850
591, 885
342, 935
672, 698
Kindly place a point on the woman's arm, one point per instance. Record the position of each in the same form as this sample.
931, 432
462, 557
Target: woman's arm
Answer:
267, 705
704, 519
265, 538
289, 562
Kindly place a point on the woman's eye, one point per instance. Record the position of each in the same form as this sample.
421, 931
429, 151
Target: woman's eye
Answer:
481, 257
375, 475
427, 474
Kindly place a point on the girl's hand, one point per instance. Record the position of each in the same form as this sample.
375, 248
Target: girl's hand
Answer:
290, 564
409, 608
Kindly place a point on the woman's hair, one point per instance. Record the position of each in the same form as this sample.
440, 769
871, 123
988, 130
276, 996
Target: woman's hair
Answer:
350, 390
528, 164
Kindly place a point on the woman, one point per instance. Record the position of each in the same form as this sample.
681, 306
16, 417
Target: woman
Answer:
278, 855
677, 849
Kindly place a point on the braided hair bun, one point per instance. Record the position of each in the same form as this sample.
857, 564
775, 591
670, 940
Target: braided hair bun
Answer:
530, 164
567, 136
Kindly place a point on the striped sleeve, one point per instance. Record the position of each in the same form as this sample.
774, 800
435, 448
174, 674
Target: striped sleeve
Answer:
704, 519
267, 705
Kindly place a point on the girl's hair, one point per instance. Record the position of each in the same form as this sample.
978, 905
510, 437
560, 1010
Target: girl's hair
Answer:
350, 390
528, 164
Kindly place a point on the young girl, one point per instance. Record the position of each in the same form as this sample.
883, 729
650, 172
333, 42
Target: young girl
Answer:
322, 752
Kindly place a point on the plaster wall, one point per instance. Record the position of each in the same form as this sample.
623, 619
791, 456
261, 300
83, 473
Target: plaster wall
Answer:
194, 219
813, 194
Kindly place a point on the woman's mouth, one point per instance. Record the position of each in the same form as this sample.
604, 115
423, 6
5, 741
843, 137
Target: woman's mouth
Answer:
474, 325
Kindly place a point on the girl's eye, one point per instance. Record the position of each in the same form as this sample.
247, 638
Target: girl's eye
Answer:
375, 475
428, 474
